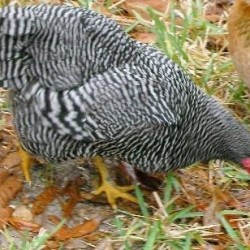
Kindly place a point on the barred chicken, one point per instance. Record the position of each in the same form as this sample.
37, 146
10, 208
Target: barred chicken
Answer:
81, 87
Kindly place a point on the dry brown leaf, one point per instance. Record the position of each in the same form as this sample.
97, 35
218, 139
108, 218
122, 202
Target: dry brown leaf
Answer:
44, 199
5, 214
3, 176
8, 189
72, 189
54, 219
232, 220
11, 160
24, 225
140, 6
80, 230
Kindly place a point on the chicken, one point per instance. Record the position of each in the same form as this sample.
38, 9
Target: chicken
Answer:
81, 87
239, 38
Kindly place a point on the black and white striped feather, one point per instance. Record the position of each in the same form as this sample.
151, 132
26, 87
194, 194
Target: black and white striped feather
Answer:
81, 87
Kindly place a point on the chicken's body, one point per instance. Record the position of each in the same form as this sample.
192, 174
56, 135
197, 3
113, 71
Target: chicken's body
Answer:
81, 87
239, 38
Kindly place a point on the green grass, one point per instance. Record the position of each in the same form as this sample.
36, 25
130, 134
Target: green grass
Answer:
231, 233
141, 202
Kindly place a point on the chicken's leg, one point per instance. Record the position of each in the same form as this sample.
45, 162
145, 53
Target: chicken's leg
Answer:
26, 162
112, 191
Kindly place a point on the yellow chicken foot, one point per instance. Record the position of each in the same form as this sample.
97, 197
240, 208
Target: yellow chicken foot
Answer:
112, 190
26, 163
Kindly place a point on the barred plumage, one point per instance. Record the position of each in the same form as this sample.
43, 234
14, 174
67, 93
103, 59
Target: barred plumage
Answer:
82, 87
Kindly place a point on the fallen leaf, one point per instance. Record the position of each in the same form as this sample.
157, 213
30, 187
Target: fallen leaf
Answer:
140, 6
8, 189
44, 199
72, 189
54, 219
11, 160
233, 220
80, 230
5, 214
24, 225
3, 176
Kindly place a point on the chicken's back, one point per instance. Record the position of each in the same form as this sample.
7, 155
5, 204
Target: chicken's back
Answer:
58, 46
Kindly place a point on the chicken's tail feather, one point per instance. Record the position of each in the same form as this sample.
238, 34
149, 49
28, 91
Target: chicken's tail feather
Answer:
16, 29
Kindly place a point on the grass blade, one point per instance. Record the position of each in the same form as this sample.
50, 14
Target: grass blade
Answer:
142, 203
152, 235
